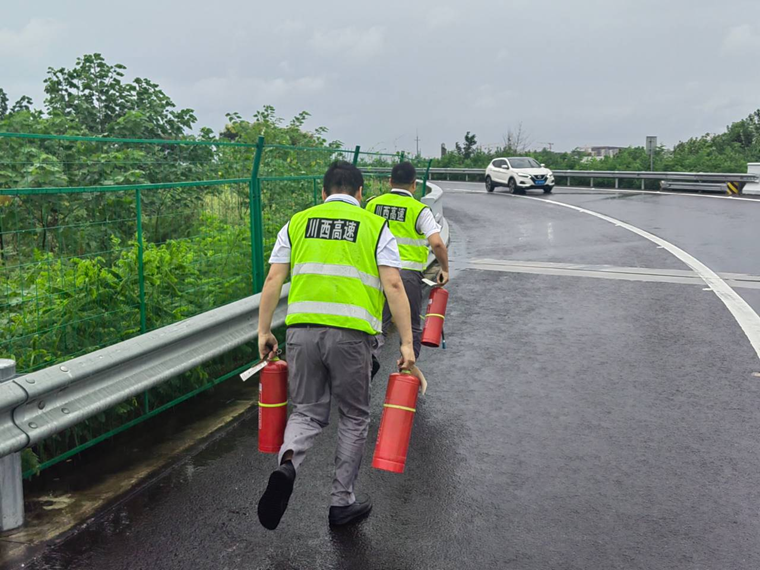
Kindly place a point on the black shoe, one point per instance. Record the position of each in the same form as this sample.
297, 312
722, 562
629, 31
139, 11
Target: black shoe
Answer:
275, 499
375, 366
352, 513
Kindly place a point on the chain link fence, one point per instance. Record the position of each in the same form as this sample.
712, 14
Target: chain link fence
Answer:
102, 240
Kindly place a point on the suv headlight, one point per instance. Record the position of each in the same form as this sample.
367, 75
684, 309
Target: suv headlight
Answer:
523, 175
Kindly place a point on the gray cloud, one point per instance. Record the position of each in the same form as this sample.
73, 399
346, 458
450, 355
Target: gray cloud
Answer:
31, 41
355, 43
573, 73
742, 40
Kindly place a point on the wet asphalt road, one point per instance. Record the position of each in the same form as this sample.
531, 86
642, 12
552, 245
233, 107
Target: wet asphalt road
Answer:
572, 423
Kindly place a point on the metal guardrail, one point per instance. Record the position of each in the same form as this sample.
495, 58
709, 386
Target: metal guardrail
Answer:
716, 177
46, 402
51, 400
669, 176
713, 187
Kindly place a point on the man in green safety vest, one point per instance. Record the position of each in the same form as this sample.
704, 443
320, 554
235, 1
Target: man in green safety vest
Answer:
414, 226
341, 259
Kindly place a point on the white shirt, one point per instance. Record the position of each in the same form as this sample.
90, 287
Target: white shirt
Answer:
387, 248
426, 224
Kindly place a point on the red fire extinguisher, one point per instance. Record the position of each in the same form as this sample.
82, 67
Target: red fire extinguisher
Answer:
396, 423
273, 405
434, 317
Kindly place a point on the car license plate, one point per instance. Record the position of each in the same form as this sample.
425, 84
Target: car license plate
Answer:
540, 182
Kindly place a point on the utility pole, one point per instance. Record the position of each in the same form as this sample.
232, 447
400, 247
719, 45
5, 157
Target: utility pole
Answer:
417, 140
549, 144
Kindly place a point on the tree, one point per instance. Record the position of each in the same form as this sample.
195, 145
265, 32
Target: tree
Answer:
468, 148
3, 103
95, 94
23, 104
516, 142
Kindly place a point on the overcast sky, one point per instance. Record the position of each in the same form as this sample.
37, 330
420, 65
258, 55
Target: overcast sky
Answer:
573, 72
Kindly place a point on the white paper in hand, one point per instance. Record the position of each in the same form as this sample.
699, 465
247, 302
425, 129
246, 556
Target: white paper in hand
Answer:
253, 370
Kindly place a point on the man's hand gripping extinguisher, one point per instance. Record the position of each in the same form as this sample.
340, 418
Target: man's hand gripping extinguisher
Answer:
432, 332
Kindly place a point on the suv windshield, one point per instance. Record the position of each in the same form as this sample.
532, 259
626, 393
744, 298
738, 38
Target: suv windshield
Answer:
523, 163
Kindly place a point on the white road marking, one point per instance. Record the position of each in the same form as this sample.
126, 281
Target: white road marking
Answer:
747, 318
614, 191
661, 193
680, 276
465, 190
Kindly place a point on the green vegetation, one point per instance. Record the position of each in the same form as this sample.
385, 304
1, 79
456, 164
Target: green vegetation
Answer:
726, 152
91, 256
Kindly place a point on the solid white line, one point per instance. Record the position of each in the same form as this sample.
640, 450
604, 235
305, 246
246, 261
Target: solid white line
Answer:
660, 192
557, 192
747, 318
686, 276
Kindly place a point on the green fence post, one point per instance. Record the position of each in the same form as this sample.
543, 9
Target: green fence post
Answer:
356, 155
401, 157
316, 192
257, 221
141, 280
141, 261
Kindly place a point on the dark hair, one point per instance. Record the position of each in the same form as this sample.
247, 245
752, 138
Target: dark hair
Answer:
342, 178
404, 174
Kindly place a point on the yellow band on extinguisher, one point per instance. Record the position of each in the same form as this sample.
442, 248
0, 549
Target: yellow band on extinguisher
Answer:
435, 315
395, 407
280, 405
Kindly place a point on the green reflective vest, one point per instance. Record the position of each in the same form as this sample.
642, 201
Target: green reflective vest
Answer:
402, 213
334, 276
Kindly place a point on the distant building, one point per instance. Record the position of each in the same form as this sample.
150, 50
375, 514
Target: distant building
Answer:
600, 151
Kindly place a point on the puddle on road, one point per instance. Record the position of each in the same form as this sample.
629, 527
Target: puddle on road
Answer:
623, 195
71, 492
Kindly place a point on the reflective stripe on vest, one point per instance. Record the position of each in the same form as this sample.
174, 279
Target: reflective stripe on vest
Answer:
336, 309
413, 265
408, 241
337, 271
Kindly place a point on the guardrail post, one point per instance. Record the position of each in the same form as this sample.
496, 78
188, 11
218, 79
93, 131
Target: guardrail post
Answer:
617, 183
11, 484
592, 183
642, 184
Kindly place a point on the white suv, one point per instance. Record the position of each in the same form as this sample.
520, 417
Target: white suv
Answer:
518, 174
